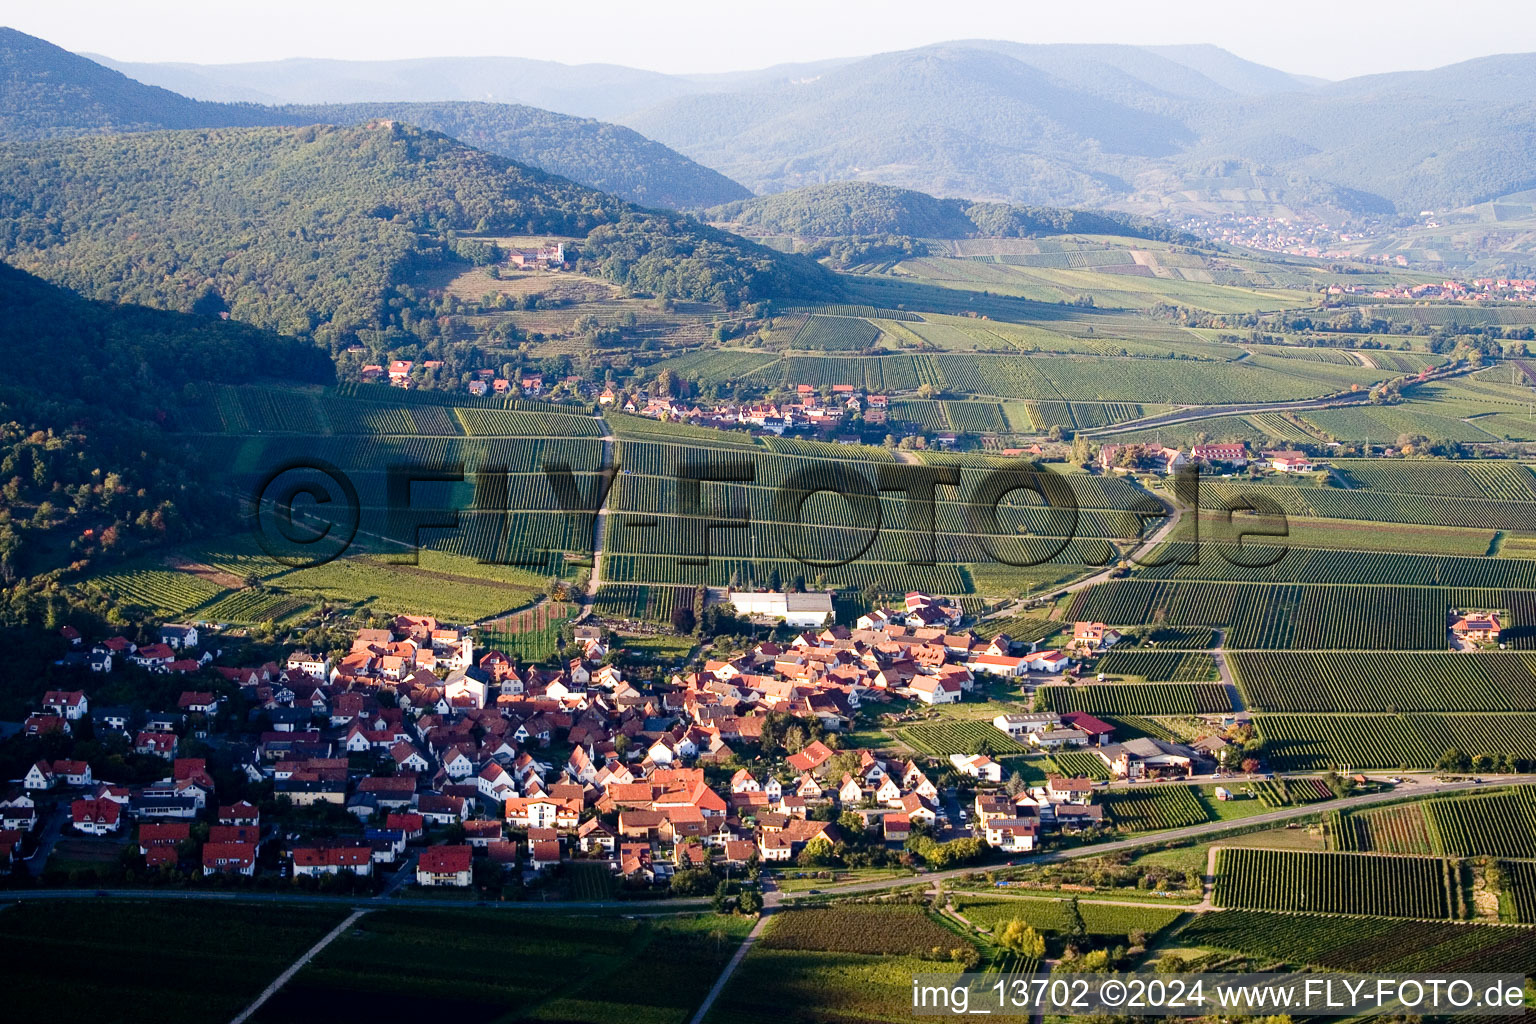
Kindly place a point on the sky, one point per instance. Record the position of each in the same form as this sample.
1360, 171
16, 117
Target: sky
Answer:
1326, 38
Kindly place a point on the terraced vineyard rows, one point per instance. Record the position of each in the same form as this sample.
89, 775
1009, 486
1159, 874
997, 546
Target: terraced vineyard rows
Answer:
835, 333
1362, 944
1387, 681
1145, 809
1493, 824
1386, 506
1411, 741
1143, 699
1276, 616
1520, 884
647, 603
958, 737
1080, 764
887, 577
1401, 829
1339, 883
1159, 666
1260, 563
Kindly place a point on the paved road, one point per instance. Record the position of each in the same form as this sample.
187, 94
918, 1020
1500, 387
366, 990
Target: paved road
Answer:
298, 965
1277, 816
1200, 412
730, 968
599, 528
775, 899
1219, 656
53, 828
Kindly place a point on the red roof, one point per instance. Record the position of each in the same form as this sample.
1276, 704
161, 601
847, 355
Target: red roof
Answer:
1087, 723
224, 856
445, 860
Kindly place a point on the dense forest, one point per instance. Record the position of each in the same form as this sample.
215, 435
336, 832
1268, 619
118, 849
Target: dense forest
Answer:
607, 157
858, 209
86, 467
321, 231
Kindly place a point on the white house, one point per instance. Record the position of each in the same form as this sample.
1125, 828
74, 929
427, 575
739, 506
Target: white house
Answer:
1047, 661
977, 766
997, 664
1018, 725
1012, 835
936, 689
797, 610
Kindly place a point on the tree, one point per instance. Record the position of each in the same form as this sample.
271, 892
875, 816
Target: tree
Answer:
1015, 784
683, 620
750, 901
1018, 937
1453, 760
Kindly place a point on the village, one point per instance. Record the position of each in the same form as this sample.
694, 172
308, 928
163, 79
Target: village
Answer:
416, 759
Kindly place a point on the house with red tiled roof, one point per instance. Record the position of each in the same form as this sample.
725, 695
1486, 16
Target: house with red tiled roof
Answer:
96, 817
355, 856
445, 866
229, 858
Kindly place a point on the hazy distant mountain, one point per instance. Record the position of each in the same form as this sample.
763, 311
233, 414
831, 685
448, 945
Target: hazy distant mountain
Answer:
952, 120
1170, 129
584, 90
1140, 127
47, 92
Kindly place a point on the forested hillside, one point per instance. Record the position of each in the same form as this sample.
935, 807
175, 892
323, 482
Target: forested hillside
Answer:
48, 92
318, 231
85, 466
863, 208
607, 157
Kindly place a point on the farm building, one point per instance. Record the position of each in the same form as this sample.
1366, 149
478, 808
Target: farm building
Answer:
798, 610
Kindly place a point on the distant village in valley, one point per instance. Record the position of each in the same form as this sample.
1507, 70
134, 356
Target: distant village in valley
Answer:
416, 758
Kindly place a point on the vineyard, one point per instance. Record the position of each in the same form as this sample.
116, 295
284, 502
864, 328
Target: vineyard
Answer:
941, 739
642, 603
869, 930
1160, 666
1131, 699
1520, 886
1291, 792
1361, 944
1050, 915
1339, 883
1295, 564
1276, 616
1413, 741
1387, 681
1387, 506
821, 332
1400, 829
1080, 764
1155, 807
